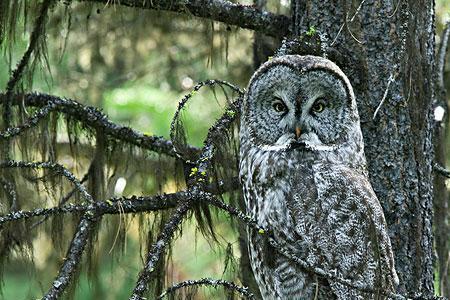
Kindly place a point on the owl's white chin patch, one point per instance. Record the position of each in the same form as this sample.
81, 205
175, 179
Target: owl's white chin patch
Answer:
283, 143
313, 142
309, 140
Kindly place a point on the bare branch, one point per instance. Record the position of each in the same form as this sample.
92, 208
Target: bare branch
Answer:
196, 185
57, 168
18, 72
73, 256
29, 123
243, 16
92, 117
209, 282
441, 170
158, 248
120, 205
174, 124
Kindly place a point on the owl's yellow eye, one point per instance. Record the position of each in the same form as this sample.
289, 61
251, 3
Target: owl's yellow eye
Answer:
279, 106
318, 106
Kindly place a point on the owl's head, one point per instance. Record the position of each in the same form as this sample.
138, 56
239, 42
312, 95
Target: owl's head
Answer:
300, 100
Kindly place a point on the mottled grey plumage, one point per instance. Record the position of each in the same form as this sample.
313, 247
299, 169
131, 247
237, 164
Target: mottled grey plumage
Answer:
303, 172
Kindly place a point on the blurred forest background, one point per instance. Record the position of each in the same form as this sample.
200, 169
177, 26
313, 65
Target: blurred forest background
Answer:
136, 65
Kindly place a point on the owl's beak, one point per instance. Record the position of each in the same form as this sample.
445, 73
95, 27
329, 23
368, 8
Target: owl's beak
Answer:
298, 132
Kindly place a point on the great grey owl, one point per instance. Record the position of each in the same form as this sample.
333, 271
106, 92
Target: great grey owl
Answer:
304, 176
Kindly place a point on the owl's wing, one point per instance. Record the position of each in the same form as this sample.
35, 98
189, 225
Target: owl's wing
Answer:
342, 226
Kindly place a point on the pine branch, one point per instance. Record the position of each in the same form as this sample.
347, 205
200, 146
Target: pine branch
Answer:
92, 117
230, 13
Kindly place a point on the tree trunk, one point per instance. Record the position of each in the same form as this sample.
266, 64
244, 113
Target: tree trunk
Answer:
386, 48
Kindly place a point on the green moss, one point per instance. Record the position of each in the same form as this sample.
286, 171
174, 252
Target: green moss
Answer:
311, 31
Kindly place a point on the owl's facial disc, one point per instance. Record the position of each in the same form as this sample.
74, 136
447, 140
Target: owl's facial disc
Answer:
288, 109
325, 111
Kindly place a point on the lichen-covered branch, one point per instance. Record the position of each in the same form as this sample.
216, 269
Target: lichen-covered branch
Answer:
132, 204
159, 247
244, 16
197, 185
175, 125
92, 117
57, 168
441, 170
72, 260
31, 122
209, 282
19, 70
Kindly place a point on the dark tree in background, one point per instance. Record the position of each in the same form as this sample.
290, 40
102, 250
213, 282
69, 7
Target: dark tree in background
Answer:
386, 48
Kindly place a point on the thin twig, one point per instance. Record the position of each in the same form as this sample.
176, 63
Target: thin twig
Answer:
209, 282
62, 201
346, 24
390, 80
182, 104
29, 123
57, 168
441, 170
